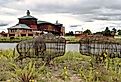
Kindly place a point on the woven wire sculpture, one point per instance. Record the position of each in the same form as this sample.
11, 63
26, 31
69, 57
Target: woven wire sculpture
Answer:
55, 46
46, 46
31, 48
98, 45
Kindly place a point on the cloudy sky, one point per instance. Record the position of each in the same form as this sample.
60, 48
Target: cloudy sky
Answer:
76, 15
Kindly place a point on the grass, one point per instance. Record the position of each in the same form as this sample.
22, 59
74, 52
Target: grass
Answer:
71, 39
14, 39
72, 67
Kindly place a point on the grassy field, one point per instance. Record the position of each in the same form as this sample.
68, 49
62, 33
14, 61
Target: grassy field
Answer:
13, 39
72, 67
71, 39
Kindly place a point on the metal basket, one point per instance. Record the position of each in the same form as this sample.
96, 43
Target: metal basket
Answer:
46, 46
99, 45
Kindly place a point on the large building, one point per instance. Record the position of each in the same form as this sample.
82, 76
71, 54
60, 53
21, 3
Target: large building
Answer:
30, 26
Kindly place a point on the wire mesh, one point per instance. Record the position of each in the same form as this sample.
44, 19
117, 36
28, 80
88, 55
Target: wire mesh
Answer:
99, 45
31, 48
46, 46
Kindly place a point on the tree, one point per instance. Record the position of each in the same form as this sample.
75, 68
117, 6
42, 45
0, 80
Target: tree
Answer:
107, 32
114, 30
100, 33
70, 33
119, 32
87, 32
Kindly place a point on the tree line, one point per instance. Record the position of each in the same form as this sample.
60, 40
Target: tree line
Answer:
106, 32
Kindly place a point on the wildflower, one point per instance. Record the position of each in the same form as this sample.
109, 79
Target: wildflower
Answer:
105, 55
97, 72
101, 58
65, 68
8, 80
90, 60
65, 71
120, 64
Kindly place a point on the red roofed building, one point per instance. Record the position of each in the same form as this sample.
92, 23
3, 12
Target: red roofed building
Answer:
30, 26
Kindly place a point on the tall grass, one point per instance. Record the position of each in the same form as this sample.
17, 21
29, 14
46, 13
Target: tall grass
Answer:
72, 67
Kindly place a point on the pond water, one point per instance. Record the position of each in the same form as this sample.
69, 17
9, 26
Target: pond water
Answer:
69, 47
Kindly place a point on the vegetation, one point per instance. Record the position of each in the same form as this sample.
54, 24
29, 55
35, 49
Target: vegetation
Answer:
87, 32
119, 32
14, 39
71, 39
70, 33
72, 67
108, 32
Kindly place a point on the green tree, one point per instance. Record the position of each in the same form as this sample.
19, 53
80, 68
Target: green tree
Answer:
119, 32
107, 32
114, 30
100, 33
70, 33
87, 32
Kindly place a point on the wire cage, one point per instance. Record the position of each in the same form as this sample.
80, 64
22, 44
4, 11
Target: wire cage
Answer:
46, 46
55, 46
98, 45
31, 48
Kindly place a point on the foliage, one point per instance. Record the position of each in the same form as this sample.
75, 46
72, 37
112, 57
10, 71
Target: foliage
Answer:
119, 32
70, 33
26, 74
71, 38
87, 32
72, 67
14, 39
107, 32
100, 33
114, 30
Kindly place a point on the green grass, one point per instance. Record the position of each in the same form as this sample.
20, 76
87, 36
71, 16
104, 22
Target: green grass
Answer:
15, 39
71, 38
72, 67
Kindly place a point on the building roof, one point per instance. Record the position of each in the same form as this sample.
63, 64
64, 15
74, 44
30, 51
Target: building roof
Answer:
40, 22
20, 26
28, 16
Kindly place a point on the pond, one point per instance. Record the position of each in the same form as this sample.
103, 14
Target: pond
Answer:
69, 47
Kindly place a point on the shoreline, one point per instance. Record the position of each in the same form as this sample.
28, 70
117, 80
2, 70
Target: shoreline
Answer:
67, 42
9, 41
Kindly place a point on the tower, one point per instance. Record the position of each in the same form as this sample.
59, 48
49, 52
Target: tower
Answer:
29, 20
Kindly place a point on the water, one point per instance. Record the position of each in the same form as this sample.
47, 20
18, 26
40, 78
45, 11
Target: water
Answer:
72, 47
7, 45
69, 47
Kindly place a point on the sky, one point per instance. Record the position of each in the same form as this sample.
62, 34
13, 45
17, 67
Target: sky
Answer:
75, 15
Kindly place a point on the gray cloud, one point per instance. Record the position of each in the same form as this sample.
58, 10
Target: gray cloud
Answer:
3, 24
99, 9
83, 10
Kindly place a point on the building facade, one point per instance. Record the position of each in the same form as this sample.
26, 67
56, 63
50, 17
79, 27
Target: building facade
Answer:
30, 26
